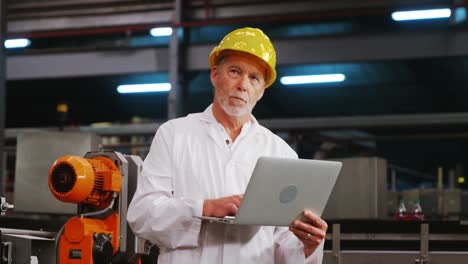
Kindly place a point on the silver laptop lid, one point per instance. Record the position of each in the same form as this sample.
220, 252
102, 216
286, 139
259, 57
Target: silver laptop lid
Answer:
281, 188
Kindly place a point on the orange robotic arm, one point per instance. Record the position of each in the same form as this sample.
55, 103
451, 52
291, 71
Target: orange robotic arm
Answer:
74, 179
93, 183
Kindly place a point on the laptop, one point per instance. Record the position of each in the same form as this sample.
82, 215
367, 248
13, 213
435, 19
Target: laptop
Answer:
281, 188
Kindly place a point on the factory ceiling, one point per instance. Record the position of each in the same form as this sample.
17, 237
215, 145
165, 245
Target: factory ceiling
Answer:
413, 74
93, 46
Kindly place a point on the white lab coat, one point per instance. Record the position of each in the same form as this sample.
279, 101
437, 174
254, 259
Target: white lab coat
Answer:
190, 161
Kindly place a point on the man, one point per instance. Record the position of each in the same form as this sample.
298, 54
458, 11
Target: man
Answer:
200, 165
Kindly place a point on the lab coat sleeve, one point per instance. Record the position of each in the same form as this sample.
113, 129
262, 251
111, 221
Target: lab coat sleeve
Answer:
154, 213
289, 249
317, 256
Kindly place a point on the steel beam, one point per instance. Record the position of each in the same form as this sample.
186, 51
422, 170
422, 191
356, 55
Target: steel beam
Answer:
2, 96
382, 121
410, 120
88, 21
92, 15
317, 9
374, 46
87, 63
175, 99
385, 46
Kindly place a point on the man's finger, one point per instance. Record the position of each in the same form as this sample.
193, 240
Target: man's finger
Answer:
315, 219
237, 203
309, 229
315, 236
238, 197
232, 208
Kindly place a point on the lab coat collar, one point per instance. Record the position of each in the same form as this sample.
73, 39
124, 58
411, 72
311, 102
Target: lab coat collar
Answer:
212, 124
208, 117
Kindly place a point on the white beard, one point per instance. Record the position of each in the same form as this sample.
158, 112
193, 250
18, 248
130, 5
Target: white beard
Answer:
233, 110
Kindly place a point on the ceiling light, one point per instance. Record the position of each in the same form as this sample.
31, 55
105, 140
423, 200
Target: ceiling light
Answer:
459, 15
161, 31
143, 88
17, 43
421, 14
320, 78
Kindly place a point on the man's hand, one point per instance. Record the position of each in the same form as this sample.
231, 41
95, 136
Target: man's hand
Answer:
222, 207
311, 231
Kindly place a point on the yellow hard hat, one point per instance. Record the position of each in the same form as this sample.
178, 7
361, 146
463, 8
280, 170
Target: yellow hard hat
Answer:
252, 41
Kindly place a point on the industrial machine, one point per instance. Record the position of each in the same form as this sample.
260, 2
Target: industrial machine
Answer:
4, 205
102, 185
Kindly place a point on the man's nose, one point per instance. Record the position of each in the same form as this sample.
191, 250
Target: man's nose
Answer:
243, 83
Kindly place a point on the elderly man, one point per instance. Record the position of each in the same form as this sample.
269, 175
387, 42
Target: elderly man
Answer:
200, 165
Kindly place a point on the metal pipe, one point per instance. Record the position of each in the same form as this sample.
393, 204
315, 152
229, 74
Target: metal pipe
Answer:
12, 231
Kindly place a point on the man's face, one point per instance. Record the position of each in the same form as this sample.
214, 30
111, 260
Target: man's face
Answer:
239, 82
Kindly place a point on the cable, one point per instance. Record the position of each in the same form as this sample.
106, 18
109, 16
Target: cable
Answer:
104, 211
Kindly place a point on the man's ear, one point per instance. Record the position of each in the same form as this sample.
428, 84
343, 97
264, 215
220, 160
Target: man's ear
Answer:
260, 95
214, 73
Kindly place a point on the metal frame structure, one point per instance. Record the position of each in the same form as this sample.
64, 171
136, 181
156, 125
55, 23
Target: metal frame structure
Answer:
338, 256
84, 17
81, 18
36, 16
345, 48
288, 124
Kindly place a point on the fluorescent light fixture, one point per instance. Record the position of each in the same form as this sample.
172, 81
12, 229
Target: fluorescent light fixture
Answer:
143, 88
17, 43
321, 78
459, 15
161, 31
421, 14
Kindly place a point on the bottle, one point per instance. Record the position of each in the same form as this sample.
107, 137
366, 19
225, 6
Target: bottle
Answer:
400, 214
417, 213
